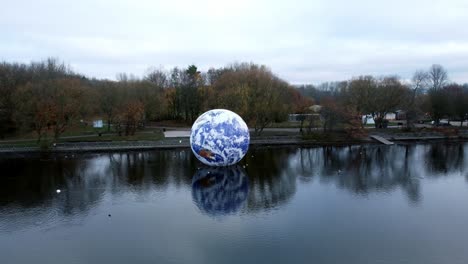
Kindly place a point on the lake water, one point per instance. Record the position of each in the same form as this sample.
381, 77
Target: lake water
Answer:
359, 204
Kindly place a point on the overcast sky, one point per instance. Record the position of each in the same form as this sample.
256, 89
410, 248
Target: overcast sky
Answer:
303, 41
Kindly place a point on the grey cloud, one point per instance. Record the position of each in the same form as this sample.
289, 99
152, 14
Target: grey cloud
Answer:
302, 41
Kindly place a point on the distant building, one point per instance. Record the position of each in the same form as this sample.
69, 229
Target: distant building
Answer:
98, 124
397, 115
315, 108
390, 116
313, 112
368, 120
300, 117
400, 115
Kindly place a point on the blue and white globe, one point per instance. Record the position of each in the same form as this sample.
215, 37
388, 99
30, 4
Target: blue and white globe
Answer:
219, 138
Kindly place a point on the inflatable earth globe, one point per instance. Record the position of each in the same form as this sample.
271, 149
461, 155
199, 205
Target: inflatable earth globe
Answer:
219, 137
219, 191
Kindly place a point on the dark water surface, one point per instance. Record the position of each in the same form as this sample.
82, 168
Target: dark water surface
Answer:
360, 204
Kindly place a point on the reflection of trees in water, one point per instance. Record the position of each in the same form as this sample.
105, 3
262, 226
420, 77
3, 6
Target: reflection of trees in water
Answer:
270, 183
32, 185
365, 169
443, 158
362, 169
84, 180
173, 167
29, 182
272, 174
220, 190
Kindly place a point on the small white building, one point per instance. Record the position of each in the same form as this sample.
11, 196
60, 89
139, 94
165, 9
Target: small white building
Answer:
368, 120
97, 124
390, 116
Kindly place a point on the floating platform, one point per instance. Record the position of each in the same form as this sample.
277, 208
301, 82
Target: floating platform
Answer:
381, 140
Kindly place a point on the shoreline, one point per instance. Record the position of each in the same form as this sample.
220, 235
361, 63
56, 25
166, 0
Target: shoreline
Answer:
184, 143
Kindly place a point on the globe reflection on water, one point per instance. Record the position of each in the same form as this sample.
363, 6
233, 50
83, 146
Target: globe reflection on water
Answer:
220, 190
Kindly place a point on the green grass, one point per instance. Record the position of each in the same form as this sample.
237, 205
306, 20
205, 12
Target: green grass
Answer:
84, 130
77, 130
286, 125
276, 133
139, 136
29, 143
335, 136
157, 135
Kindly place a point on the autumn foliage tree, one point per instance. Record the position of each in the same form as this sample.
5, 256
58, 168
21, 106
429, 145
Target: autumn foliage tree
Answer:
48, 98
13, 76
67, 101
300, 105
331, 114
254, 92
129, 118
110, 98
51, 106
368, 95
335, 112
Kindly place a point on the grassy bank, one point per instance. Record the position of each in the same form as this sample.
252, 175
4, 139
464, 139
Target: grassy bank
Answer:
24, 141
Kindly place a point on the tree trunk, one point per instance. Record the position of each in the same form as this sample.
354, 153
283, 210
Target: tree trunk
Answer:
108, 124
409, 114
39, 137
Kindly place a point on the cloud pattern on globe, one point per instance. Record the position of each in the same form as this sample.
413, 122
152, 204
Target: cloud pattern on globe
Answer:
219, 191
219, 137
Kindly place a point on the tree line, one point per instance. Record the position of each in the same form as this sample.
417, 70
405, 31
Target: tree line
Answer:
48, 97
429, 95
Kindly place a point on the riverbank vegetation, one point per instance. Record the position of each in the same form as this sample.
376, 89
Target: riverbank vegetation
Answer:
49, 100
428, 96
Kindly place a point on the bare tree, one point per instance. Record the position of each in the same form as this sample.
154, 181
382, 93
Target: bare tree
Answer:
457, 103
157, 77
388, 98
109, 100
361, 94
438, 77
419, 81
